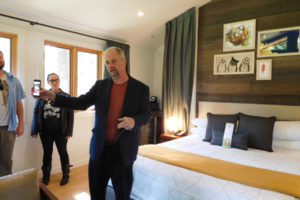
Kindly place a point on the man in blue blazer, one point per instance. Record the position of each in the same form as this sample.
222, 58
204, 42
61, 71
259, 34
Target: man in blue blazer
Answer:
121, 107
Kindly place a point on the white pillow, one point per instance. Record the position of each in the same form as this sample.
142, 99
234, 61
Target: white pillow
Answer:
198, 131
200, 122
286, 144
286, 130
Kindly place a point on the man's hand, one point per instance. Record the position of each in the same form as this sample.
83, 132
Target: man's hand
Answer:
20, 129
35, 136
46, 94
126, 123
68, 137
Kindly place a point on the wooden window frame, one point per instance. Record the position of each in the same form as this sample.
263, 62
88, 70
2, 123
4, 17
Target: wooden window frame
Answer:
14, 51
73, 62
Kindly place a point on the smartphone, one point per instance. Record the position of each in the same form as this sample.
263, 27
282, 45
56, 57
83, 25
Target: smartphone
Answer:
36, 88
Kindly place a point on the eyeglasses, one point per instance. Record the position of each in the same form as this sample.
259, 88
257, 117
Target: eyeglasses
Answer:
1, 85
54, 80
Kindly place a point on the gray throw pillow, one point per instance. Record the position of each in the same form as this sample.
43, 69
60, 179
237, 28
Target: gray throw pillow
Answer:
259, 130
239, 141
218, 121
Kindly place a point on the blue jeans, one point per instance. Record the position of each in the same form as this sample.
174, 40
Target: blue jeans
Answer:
7, 142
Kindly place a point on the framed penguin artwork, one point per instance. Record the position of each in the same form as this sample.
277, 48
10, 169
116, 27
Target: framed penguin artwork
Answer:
236, 63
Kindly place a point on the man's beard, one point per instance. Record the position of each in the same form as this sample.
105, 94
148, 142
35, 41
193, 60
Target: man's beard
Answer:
114, 74
1, 66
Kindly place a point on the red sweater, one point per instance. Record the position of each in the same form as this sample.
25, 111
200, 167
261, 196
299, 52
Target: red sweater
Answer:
117, 96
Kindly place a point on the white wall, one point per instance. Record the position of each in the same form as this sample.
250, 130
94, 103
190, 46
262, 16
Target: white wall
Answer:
158, 73
28, 151
141, 64
148, 67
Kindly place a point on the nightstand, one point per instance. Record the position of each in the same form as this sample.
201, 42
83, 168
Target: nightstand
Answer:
168, 136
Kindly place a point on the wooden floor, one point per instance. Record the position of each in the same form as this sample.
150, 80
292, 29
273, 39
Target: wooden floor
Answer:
76, 189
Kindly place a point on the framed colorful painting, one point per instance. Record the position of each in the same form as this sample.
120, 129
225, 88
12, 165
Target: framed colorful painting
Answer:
264, 69
278, 42
239, 35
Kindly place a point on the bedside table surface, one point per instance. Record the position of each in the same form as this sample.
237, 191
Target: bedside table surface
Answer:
169, 136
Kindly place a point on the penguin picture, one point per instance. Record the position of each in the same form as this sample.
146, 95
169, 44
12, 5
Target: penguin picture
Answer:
222, 66
232, 66
245, 65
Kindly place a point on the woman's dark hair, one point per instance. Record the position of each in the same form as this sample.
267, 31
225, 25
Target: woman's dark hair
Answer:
50, 75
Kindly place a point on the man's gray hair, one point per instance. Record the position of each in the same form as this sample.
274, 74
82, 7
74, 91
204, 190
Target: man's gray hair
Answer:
118, 50
1, 52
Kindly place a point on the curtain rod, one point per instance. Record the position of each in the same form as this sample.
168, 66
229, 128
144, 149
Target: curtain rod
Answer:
53, 27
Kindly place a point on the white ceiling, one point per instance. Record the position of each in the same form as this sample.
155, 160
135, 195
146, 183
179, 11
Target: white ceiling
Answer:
113, 19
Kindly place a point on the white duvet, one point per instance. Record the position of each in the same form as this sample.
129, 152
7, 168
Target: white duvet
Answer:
154, 180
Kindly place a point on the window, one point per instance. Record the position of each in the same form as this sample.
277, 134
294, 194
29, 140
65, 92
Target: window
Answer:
6, 49
87, 71
57, 60
8, 45
77, 67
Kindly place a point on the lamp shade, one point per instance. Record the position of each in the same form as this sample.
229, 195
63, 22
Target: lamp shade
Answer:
172, 124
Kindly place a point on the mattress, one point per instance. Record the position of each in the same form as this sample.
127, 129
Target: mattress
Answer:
154, 180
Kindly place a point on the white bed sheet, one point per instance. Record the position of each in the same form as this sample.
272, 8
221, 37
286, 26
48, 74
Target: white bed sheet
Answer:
155, 180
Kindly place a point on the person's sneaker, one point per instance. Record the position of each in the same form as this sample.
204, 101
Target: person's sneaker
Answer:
65, 179
46, 180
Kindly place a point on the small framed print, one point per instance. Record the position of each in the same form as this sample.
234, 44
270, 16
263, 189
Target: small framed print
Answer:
264, 70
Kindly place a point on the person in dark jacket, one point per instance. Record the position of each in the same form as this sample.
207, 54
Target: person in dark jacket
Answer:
122, 106
54, 125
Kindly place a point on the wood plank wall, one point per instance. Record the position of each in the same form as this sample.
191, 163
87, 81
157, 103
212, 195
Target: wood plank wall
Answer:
283, 89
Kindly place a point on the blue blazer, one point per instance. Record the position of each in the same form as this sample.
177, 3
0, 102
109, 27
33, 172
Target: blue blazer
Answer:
136, 104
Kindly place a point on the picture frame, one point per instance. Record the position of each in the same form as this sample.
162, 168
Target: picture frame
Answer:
239, 35
264, 69
235, 63
278, 42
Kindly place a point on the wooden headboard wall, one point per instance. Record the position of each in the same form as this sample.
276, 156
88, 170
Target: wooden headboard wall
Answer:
283, 89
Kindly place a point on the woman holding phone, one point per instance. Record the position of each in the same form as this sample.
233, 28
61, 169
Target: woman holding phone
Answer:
54, 125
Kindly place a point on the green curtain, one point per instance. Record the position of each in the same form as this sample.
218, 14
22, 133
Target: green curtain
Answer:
125, 48
178, 68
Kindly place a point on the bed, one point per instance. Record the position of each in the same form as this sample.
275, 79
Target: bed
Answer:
156, 180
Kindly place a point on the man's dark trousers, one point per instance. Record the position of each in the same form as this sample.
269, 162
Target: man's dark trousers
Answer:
110, 165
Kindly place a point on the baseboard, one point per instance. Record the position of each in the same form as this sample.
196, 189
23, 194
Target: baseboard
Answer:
74, 165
